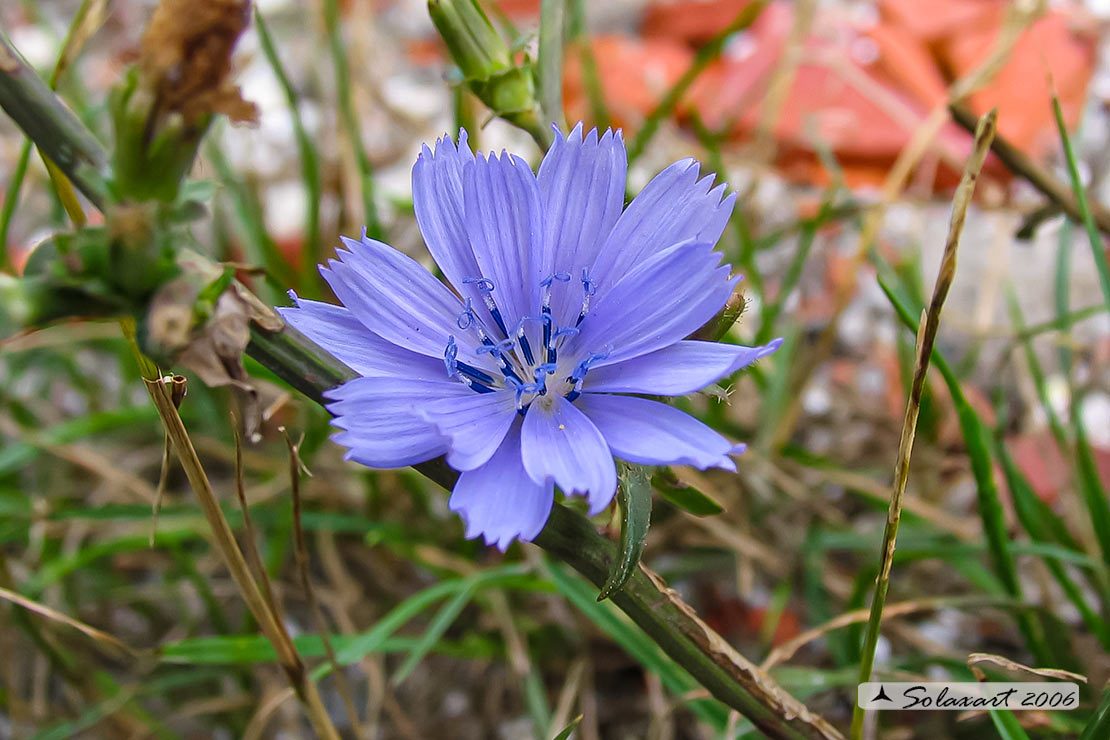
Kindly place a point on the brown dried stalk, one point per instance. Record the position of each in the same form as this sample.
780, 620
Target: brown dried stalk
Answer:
268, 620
926, 337
296, 468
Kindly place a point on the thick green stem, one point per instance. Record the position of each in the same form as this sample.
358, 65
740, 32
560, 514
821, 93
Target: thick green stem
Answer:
569, 536
58, 134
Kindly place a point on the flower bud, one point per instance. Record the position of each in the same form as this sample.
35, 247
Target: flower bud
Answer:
508, 89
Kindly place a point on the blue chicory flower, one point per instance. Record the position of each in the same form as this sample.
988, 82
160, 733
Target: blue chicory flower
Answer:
564, 303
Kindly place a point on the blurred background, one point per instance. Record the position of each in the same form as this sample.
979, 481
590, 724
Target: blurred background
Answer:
830, 119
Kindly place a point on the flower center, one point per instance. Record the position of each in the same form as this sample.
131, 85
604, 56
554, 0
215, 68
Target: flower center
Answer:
521, 371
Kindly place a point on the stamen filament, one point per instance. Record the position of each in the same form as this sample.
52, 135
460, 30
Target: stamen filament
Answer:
474, 373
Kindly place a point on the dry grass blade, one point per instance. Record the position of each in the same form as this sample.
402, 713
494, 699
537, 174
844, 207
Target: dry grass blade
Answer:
926, 337
571, 688
787, 650
783, 78
267, 619
178, 389
975, 659
296, 468
91, 632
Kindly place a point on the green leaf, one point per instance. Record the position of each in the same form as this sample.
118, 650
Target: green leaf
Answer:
634, 496
568, 729
1093, 236
1043, 525
1090, 486
683, 495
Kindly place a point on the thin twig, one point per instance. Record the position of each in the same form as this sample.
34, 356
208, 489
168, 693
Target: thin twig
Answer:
179, 387
1022, 165
254, 559
1006, 664
926, 337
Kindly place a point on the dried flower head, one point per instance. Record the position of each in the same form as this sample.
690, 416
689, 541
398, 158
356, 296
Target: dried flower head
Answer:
185, 58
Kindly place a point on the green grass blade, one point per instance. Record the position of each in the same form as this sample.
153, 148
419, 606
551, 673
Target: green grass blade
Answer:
260, 247
1098, 251
1043, 525
1037, 373
552, 18
565, 734
350, 119
706, 55
776, 397
683, 495
11, 201
437, 627
771, 310
1007, 725
1098, 728
15, 455
578, 31
310, 161
410, 607
1090, 486
1061, 292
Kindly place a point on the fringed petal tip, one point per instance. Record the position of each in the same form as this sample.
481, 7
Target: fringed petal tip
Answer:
445, 146
593, 136
738, 449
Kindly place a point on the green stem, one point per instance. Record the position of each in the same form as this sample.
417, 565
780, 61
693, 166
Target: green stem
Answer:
310, 164
591, 80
